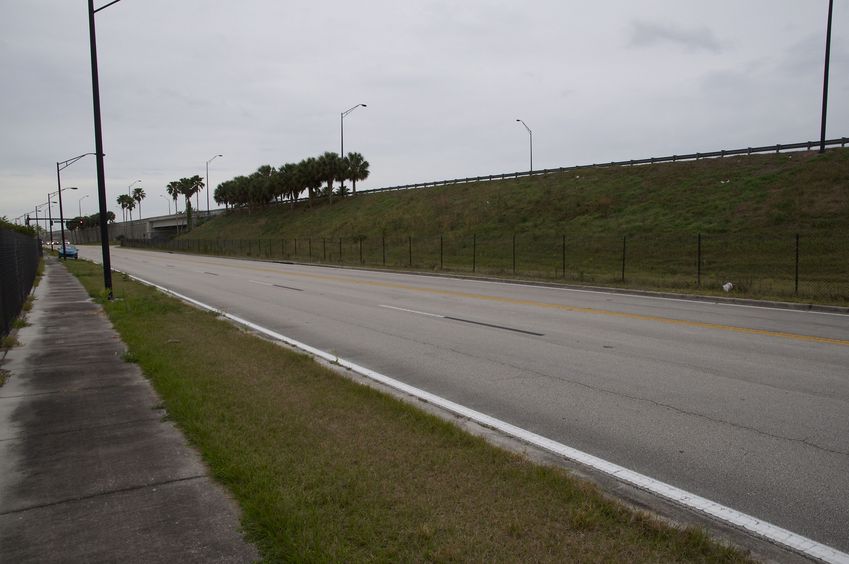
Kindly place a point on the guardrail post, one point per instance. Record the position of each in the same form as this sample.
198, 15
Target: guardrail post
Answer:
514, 254
699, 262
474, 251
624, 246
563, 248
796, 287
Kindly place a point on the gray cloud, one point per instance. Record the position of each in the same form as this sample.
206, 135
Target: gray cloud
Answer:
263, 81
649, 34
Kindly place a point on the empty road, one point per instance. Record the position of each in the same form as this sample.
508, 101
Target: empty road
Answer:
746, 406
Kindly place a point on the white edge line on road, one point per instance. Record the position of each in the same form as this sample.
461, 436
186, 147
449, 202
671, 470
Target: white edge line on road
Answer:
728, 515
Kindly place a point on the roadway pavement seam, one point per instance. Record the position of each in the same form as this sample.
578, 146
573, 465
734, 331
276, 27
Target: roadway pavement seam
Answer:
102, 494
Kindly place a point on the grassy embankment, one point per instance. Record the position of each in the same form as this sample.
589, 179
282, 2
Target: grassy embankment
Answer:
329, 470
748, 210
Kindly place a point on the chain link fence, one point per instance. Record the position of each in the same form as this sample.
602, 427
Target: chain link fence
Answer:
779, 266
19, 258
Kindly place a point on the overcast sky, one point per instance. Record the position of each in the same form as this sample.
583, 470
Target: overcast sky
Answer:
265, 81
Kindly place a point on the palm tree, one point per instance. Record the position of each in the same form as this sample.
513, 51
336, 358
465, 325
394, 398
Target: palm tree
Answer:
289, 186
173, 190
309, 177
131, 205
138, 196
122, 201
331, 169
188, 187
357, 168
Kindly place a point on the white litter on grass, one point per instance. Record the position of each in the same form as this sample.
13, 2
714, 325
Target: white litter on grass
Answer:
728, 286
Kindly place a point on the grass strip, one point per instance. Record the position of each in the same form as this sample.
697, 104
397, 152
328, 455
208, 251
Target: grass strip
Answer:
326, 469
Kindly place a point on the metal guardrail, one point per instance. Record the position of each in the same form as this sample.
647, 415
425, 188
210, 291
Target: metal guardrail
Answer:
807, 145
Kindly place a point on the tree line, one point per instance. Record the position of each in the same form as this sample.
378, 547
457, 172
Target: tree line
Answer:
84, 222
314, 175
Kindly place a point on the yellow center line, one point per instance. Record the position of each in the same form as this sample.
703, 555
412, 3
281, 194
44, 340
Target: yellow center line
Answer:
560, 307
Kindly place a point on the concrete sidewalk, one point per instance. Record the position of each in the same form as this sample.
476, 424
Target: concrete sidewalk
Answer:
89, 470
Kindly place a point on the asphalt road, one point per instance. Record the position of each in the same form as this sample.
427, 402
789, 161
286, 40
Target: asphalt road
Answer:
746, 406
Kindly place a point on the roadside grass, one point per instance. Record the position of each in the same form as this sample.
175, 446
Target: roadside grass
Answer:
574, 227
8, 342
326, 469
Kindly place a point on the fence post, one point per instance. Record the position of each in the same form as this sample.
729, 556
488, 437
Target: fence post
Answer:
796, 290
324, 249
624, 246
282, 248
296, 247
699, 262
440, 253
383, 246
563, 248
474, 251
340, 250
309, 247
514, 254
361, 250
410, 242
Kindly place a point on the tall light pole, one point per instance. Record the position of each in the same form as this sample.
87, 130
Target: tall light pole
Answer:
207, 182
80, 205
49, 216
61, 214
531, 135
167, 199
98, 148
825, 76
60, 166
130, 194
342, 132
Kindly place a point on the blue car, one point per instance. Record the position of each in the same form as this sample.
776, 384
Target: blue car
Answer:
70, 251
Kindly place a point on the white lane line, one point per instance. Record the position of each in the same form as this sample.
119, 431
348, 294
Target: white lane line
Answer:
703, 505
413, 311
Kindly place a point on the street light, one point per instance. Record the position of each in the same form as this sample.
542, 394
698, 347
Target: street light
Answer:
167, 199
61, 216
60, 166
130, 187
531, 134
825, 76
80, 205
342, 132
207, 183
98, 147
